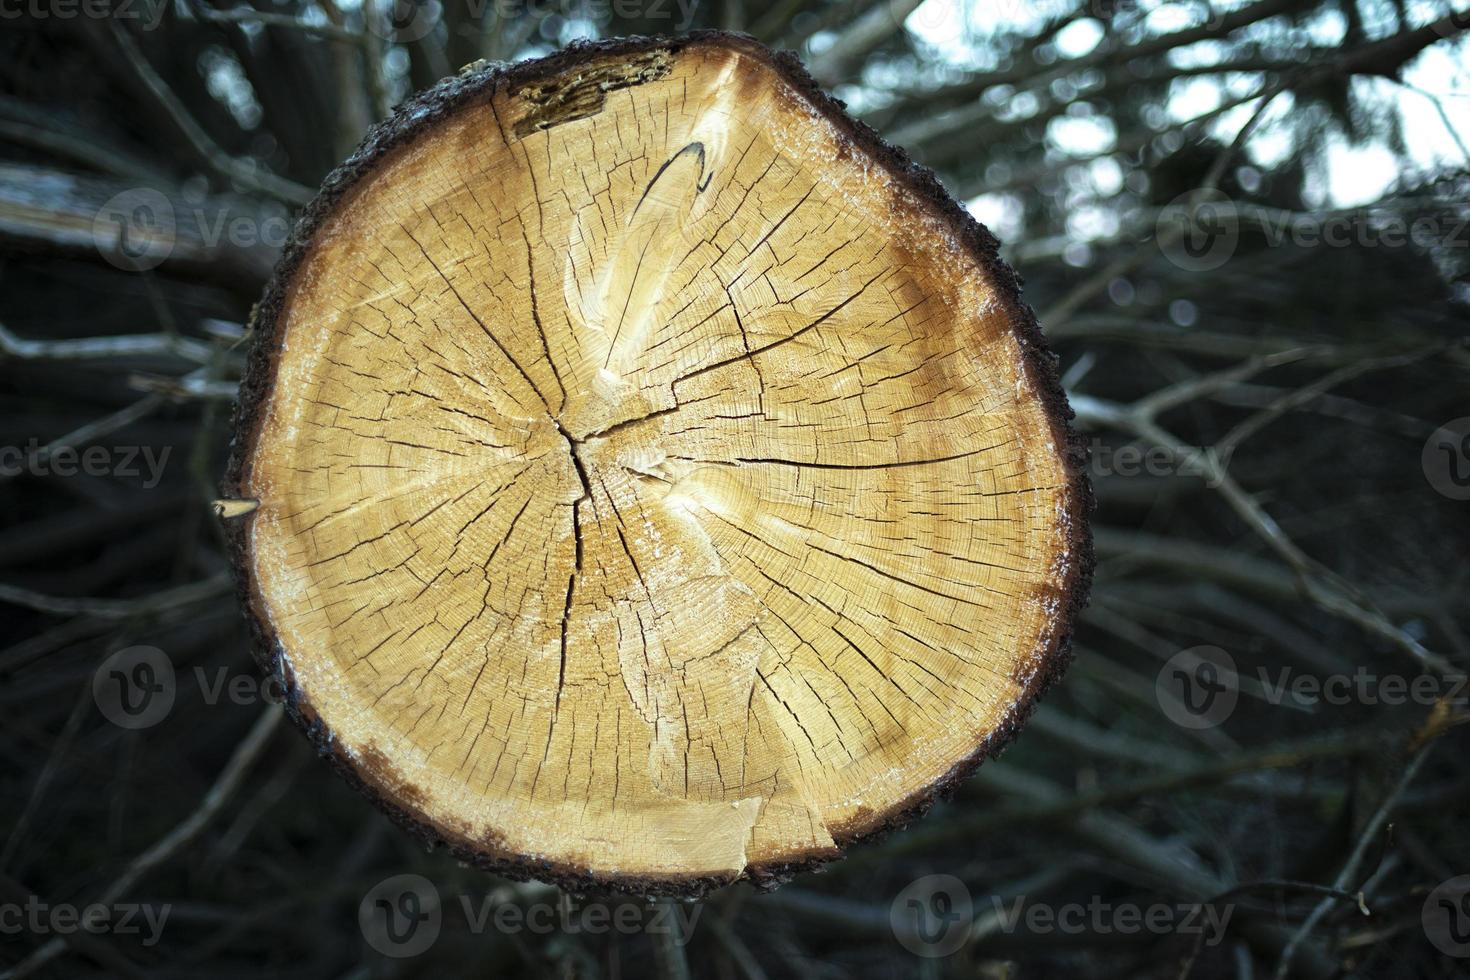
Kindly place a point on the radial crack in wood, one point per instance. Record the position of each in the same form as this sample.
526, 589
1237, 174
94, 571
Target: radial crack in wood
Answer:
660, 480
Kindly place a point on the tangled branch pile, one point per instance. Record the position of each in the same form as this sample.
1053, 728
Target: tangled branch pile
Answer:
1263, 713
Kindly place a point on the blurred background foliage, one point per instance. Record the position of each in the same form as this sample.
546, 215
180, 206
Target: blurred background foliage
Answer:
1243, 226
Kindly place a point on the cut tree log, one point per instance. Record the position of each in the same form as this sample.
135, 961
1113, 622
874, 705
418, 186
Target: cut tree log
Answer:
660, 480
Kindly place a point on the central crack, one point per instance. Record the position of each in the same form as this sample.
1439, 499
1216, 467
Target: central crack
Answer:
581, 467
566, 614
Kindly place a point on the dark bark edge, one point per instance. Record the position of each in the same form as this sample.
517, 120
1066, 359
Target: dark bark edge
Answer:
480, 81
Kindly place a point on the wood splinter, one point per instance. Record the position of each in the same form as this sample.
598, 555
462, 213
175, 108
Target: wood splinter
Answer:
228, 509
661, 481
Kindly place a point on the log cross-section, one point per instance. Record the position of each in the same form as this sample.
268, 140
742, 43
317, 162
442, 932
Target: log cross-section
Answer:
660, 480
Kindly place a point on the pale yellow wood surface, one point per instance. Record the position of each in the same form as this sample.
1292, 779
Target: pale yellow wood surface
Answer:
656, 494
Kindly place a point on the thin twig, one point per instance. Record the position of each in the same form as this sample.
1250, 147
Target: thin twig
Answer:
244, 15
86, 433
668, 945
219, 794
244, 172
97, 348
1350, 868
183, 595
